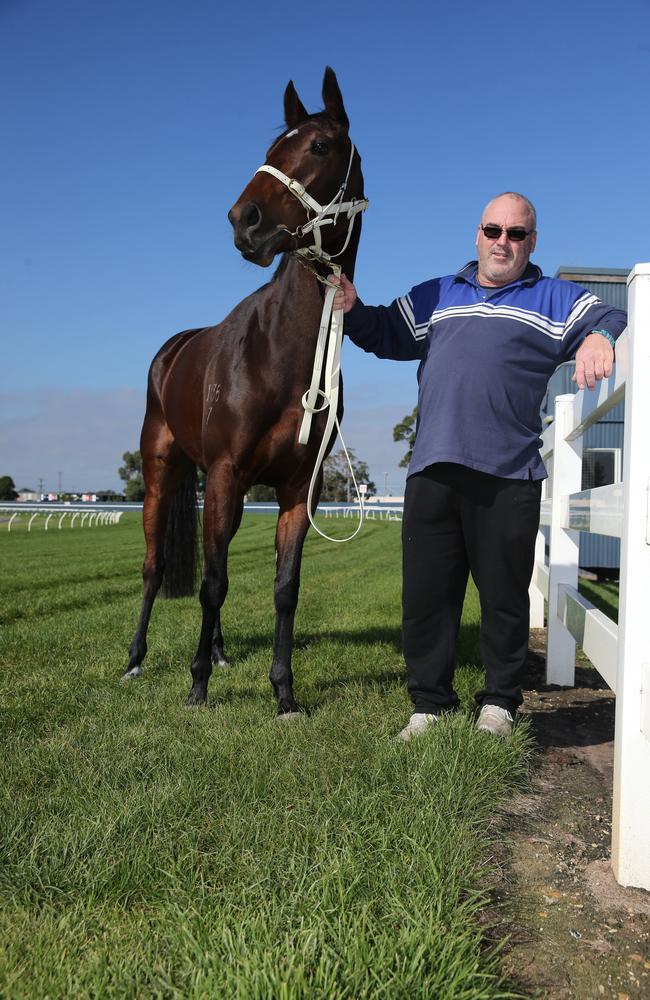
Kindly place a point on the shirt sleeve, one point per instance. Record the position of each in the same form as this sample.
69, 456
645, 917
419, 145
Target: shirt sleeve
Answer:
589, 314
387, 331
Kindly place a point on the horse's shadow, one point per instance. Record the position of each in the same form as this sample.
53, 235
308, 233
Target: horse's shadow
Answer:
573, 718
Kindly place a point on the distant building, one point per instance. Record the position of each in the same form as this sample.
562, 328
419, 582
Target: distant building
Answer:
109, 496
602, 456
28, 496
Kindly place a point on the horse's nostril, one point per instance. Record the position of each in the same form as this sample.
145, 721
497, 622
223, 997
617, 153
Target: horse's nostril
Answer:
251, 216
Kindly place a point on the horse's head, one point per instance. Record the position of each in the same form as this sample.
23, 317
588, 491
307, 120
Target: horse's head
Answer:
310, 187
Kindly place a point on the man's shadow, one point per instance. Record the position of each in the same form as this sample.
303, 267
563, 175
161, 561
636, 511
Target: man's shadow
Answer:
581, 716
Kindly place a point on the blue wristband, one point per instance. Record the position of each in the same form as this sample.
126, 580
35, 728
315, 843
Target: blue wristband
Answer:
607, 336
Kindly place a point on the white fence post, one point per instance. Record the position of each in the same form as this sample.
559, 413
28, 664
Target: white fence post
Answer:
564, 545
535, 594
631, 807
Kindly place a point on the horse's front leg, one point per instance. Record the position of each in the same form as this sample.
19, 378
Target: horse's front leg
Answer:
221, 516
293, 523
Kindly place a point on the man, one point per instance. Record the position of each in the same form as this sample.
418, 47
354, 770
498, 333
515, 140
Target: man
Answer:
488, 338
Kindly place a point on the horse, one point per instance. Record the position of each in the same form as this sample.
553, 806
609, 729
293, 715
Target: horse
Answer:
228, 398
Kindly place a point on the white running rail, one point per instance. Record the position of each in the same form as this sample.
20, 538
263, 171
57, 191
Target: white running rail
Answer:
620, 653
13, 512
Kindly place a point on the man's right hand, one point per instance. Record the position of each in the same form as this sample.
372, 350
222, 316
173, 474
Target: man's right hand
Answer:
346, 294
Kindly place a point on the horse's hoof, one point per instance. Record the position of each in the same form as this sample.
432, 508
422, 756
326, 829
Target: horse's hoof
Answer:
290, 716
128, 675
196, 699
221, 662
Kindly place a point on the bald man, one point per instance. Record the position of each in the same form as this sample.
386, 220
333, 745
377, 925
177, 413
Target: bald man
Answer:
487, 338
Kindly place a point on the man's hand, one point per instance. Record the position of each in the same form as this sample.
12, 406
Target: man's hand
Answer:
346, 294
594, 360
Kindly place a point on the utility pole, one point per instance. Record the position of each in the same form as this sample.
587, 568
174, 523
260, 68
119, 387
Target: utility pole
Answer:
385, 484
40, 487
59, 482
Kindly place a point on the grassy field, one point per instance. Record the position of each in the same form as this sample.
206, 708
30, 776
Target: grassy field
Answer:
152, 850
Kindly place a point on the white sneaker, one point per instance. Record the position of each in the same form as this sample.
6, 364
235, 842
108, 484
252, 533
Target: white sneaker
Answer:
417, 724
496, 720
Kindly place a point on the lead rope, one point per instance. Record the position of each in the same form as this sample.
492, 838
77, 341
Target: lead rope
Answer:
330, 334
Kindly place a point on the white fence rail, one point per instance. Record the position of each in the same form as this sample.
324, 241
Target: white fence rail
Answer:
81, 514
381, 512
620, 653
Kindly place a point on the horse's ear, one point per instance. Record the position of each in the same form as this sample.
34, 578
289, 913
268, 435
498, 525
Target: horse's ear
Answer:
333, 100
294, 110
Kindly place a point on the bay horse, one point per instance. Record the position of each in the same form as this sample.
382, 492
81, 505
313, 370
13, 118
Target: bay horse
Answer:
228, 398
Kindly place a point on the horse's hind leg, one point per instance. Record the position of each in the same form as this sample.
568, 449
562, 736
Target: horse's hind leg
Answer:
293, 523
218, 654
164, 466
221, 517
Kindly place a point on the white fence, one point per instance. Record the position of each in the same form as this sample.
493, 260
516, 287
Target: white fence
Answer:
371, 511
81, 515
620, 653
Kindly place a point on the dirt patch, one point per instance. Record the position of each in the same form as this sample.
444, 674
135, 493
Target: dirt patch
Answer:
573, 931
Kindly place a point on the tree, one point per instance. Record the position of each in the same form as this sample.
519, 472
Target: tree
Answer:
7, 488
131, 473
337, 481
260, 493
405, 431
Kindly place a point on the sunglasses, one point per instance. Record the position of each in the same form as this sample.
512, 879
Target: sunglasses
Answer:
514, 233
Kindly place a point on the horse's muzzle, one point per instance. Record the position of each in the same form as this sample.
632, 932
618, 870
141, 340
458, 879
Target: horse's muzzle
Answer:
252, 239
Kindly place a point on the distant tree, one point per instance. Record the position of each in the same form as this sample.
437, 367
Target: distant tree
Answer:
131, 474
405, 431
259, 493
337, 481
7, 488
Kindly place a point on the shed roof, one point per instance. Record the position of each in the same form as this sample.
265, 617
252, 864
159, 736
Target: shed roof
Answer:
578, 273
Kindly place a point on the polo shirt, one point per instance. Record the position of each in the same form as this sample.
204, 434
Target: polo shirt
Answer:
485, 356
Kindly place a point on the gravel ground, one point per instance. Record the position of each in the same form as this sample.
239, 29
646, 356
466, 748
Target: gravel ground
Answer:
573, 931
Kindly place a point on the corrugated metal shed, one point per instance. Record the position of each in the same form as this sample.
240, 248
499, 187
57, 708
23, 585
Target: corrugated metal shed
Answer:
610, 285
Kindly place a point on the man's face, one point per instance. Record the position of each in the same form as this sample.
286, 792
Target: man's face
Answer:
502, 260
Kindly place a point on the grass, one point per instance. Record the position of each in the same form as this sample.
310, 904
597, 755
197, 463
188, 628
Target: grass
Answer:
603, 594
152, 850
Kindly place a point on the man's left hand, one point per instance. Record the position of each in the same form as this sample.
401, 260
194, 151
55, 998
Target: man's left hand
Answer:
594, 360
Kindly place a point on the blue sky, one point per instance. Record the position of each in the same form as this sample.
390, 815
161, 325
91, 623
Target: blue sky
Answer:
129, 127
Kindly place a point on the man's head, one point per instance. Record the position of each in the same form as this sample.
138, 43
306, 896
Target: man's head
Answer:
502, 259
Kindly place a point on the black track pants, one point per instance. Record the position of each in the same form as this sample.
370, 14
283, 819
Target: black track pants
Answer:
457, 520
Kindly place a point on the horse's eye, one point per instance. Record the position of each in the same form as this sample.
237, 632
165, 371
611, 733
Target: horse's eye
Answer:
319, 147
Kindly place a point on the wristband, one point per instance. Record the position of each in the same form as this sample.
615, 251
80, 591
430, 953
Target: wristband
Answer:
606, 335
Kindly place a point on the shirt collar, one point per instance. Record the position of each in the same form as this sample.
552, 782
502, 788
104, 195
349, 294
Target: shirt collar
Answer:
467, 273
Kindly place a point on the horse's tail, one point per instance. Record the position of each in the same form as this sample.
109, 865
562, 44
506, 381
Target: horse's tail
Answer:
179, 578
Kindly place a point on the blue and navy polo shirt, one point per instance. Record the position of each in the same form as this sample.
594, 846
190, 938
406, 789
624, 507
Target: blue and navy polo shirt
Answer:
486, 355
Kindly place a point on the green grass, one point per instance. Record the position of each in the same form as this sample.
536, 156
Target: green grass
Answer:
152, 850
603, 594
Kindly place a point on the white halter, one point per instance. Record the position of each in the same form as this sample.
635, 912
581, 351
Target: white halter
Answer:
330, 333
335, 207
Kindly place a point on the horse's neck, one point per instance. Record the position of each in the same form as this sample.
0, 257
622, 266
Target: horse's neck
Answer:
346, 261
296, 281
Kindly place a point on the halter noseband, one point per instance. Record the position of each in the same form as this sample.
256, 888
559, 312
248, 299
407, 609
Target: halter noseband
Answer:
335, 207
